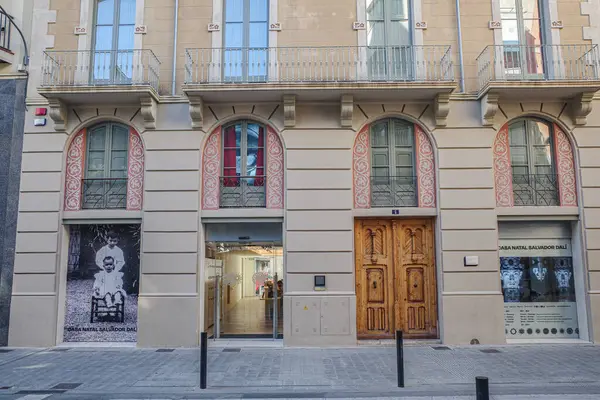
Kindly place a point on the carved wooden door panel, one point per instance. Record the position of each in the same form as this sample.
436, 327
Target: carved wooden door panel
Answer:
374, 278
416, 304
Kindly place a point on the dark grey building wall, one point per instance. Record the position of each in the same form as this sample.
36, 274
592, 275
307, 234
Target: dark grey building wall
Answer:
12, 120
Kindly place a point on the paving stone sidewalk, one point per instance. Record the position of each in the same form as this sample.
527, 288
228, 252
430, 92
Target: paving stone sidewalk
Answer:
320, 373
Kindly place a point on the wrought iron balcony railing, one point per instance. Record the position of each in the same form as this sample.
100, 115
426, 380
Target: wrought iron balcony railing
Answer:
535, 190
5, 28
534, 63
319, 64
243, 192
104, 193
100, 68
393, 191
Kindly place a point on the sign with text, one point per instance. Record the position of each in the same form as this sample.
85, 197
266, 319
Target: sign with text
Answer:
538, 286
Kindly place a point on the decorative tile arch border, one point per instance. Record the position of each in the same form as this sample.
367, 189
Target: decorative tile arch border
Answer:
211, 169
425, 168
565, 168
75, 170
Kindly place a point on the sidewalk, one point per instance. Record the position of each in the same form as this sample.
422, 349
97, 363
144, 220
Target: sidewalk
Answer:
274, 372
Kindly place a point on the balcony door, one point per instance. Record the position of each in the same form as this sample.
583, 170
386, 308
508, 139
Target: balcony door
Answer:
105, 182
389, 40
246, 37
532, 160
393, 164
113, 55
522, 39
243, 180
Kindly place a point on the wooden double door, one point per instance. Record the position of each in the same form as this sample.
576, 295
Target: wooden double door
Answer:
395, 278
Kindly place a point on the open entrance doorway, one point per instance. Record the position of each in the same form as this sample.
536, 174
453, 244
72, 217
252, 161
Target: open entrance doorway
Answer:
244, 282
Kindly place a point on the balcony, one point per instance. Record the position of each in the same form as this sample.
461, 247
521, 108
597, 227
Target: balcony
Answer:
6, 55
104, 193
242, 192
540, 72
393, 191
368, 73
112, 77
535, 190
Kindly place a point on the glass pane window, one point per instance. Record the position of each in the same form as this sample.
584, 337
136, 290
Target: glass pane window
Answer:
246, 39
105, 183
393, 164
532, 162
112, 58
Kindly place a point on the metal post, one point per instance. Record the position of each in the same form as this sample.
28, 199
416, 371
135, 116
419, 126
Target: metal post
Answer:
203, 359
217, 323
482, 388
400, 358
275, 312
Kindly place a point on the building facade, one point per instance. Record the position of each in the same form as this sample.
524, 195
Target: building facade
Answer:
13, 83
325, 172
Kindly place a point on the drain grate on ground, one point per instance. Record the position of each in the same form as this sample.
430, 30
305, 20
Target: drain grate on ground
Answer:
5, 387
441, 348
165, 350
66, 386
231, 350
283, 395
490, 351
60, 349
5, 350
41, 391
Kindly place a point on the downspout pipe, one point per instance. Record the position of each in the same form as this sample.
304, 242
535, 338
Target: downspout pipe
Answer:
175, 31
460, 48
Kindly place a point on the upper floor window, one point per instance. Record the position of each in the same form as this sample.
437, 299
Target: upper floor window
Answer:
389, 39
532, 162
114, 27
105, 179
246, 37
243, 179
522, 37
393, 180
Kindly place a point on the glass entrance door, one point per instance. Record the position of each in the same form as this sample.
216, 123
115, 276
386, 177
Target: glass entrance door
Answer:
244, 289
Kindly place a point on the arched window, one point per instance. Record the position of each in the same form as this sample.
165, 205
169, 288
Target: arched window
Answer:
105, 179
393, 177
532, 159
243, 171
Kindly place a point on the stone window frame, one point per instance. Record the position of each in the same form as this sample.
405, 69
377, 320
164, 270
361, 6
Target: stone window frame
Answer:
86, 19
416, 14
549, 14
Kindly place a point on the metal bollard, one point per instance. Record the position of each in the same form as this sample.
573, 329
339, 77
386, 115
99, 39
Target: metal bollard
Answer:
203, 358
400, 358
482, 388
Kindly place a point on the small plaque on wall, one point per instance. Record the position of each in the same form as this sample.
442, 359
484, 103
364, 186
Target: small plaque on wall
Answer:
359, 26
141, 29
495, 24
558, 24
80, 30
275, 26
420, 25
213, 27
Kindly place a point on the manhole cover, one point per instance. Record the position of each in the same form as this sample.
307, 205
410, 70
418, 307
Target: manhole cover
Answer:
66, 386
60, 349
231, 350
165, 350
490, 351
440, 347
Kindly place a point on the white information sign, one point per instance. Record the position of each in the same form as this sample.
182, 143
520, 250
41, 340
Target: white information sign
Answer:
541, 320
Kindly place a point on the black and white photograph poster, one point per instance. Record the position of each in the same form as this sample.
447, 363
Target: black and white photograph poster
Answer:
102, 283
